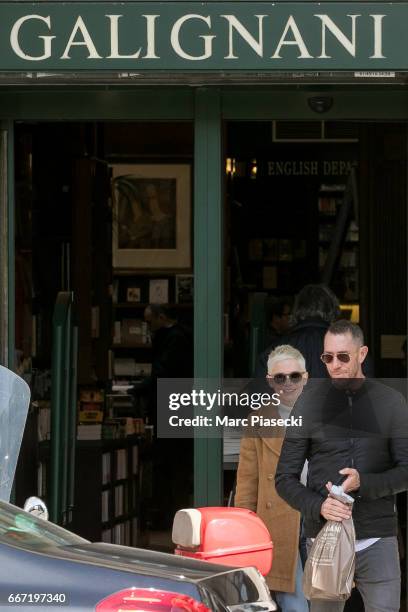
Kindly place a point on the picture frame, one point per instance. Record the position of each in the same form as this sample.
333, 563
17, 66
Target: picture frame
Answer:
151, 216
184, 289
158, 291
133, 294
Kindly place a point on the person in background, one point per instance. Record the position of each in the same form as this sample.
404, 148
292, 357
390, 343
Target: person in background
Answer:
277, 314
255, 480
315, 307
172, 344
172, 460
172, 354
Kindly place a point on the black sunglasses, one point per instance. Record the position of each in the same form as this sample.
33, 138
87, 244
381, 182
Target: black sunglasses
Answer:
280, 379
328, 357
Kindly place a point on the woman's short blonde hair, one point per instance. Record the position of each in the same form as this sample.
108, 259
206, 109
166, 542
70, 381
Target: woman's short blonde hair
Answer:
286, 351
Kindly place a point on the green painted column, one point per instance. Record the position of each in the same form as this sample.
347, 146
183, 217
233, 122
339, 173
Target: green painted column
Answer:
208, 267
11, 247
7, 244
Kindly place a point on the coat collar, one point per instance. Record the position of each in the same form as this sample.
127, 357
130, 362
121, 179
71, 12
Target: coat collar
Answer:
311, 322
274, 443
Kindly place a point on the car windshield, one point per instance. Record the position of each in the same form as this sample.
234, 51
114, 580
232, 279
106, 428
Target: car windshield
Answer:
19, 528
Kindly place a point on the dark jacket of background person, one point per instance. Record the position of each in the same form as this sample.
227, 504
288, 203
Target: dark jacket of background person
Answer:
256, 491
366, 430
307, 336
314, 308
172, 353
172, 357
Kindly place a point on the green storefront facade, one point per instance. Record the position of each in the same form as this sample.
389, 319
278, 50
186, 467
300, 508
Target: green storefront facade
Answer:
211, 62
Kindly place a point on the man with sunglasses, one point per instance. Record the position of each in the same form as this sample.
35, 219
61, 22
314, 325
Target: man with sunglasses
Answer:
355, 432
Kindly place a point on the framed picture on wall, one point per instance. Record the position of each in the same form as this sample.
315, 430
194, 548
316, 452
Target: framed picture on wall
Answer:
133, 294
158, 291
184, 289
151, 216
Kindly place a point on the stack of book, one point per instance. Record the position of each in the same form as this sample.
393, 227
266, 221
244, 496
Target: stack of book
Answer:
121, 387
89, 432
128, 368
120, 405
231, 443
91, 406
44, 419
131, 332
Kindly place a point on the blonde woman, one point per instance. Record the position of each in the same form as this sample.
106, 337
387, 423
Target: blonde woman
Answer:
258, 460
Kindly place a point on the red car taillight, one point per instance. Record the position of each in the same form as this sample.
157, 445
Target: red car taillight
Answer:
149, 600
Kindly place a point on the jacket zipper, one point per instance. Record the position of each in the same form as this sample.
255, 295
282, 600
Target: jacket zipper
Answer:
350, 403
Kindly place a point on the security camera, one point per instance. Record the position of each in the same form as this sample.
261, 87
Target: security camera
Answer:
320, 104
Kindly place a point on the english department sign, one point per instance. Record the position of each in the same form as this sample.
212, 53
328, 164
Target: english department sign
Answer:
190, 36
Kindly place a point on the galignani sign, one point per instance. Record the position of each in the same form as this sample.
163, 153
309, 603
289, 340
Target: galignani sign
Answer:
186, 36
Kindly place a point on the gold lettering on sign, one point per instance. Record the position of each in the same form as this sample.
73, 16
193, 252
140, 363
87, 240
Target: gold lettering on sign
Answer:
309, 168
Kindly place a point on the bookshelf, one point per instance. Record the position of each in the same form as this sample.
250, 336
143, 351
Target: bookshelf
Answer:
108, 504
346, 282
131, 347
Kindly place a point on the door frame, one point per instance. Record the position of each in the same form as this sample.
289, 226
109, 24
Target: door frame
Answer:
7, 251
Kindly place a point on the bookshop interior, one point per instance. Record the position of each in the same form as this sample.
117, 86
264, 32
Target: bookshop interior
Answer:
105, 211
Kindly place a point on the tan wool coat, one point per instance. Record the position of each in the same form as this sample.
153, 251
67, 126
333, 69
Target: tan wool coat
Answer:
256, 491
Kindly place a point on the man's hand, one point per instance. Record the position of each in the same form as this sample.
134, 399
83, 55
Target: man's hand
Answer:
352, 482
333, 510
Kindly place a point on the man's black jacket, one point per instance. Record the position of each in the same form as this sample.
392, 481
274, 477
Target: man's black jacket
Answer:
366, 429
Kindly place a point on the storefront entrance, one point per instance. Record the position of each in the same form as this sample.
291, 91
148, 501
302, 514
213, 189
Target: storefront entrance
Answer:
284, 183
271, 120
249, 175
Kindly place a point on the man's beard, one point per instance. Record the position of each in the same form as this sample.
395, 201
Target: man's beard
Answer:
345, 384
